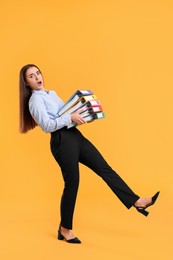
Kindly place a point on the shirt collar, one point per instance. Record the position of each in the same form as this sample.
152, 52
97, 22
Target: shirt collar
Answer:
42, 91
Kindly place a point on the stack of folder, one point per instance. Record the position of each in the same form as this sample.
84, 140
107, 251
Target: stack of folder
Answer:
86, 102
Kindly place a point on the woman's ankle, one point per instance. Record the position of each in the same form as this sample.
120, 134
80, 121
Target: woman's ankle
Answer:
142, 202
67, 233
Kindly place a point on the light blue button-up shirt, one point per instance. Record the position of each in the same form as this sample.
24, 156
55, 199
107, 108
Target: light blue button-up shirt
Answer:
44, 106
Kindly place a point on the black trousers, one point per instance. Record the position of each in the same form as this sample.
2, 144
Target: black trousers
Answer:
69, 147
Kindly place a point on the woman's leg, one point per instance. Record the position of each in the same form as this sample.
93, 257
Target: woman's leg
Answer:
70, 172
92, 158
65, 147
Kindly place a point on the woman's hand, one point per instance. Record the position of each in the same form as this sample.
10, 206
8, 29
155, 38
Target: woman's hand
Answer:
77, 118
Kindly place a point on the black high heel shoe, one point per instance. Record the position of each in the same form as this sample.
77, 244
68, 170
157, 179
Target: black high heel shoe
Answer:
72, 241
143, 210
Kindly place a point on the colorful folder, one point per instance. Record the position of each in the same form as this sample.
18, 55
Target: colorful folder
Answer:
90, 118
86, 103
74, 99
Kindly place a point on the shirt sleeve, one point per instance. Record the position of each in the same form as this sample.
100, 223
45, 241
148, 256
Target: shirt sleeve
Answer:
39, 113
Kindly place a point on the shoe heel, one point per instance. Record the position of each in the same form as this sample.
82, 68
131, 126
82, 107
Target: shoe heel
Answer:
60, 236
143, 211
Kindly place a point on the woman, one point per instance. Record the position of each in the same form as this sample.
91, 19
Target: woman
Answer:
39, 106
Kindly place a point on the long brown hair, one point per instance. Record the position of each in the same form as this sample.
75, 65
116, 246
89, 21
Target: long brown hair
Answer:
25, 119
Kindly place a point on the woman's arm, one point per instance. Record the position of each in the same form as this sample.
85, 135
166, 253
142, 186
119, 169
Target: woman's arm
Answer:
39, 113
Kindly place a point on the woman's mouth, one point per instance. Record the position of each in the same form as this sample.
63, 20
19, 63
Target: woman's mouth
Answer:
39, 83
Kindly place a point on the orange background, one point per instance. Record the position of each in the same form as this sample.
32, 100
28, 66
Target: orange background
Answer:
122, 51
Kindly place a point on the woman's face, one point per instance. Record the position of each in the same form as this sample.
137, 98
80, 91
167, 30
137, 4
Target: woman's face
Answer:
34, 78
